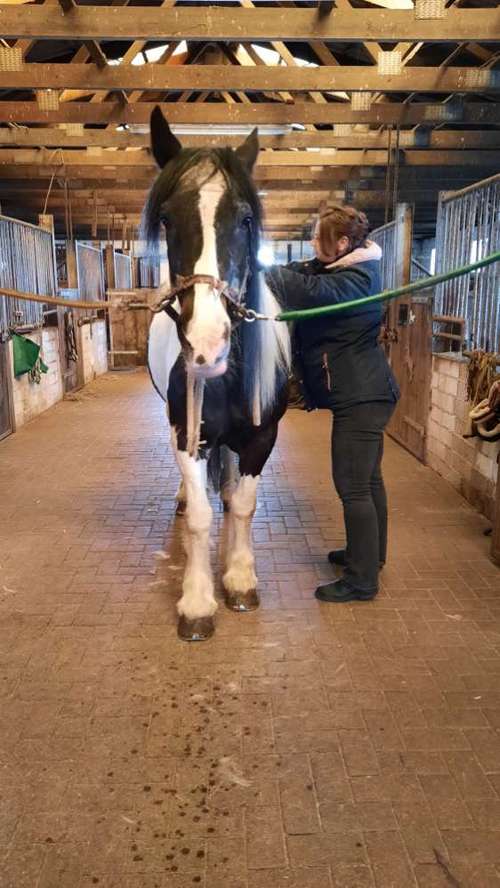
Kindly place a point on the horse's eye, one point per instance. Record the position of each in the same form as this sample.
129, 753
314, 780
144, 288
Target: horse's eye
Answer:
246, 221
165, 221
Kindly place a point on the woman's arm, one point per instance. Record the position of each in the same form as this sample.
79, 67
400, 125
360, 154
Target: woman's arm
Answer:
296, 291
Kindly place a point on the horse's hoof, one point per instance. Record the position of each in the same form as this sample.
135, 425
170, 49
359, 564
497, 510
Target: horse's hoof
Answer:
195, 630
243, 601
180, 509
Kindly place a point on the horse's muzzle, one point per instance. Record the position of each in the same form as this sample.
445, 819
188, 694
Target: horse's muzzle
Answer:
204, 370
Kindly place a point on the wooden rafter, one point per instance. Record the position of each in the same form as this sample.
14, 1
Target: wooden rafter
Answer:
233, 77
264, 113
51, 138
115, 174
301, 161
213, 23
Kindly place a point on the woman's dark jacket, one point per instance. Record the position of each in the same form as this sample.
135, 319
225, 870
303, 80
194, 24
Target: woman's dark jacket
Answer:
340, 361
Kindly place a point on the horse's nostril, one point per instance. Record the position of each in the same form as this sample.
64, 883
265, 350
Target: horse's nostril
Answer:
200, 360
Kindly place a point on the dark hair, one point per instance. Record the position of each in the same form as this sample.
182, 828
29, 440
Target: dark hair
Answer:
223, 160
341, 221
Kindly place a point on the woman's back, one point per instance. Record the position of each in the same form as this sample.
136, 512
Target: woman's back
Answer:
341, 360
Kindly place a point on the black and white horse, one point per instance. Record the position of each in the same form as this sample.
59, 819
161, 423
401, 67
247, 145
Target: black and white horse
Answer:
209, 206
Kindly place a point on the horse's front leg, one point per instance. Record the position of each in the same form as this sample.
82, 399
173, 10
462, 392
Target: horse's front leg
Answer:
240, 580
180, 499
229, 477
198, 605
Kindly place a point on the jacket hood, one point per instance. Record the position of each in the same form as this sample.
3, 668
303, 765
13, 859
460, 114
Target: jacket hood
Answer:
370, 252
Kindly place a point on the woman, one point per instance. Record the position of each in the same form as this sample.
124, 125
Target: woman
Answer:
344, 369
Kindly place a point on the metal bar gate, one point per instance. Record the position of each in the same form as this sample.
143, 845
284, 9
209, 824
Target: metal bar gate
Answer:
468, 228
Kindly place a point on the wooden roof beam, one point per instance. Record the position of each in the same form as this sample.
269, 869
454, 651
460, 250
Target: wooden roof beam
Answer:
214, 23
233, 77
277, 113
271, 164
289, 59
143, 176
22, 137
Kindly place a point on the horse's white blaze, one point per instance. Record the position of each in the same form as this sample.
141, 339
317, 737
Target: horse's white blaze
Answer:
240, 572
197, 587
207, 329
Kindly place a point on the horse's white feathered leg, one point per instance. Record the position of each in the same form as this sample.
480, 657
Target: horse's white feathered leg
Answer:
229, 476
197, 588
240, 572
180, 497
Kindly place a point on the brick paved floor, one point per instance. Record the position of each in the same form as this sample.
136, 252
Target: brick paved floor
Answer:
306, 746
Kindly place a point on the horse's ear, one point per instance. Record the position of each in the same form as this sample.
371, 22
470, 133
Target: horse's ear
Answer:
164, 144
248, 152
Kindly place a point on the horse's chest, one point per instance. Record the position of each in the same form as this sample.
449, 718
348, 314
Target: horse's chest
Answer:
222, 406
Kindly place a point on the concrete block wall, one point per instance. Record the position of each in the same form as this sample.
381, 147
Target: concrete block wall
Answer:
94, 350
469, 464
31, 398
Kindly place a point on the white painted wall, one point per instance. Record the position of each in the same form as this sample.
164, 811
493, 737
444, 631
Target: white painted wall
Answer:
94, 350
31, 398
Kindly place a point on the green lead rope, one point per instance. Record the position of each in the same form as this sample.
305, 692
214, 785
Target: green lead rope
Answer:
421, 284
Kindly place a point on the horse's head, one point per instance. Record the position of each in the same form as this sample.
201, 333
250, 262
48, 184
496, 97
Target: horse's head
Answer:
208, 204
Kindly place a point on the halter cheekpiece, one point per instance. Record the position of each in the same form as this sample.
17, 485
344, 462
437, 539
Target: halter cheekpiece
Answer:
236, 307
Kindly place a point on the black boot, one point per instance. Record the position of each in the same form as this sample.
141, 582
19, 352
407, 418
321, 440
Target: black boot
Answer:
338, 557
340, 592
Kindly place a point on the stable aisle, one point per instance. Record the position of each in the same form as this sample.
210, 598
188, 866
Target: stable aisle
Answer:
305, 745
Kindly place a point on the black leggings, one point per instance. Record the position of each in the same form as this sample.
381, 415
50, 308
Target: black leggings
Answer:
357, 449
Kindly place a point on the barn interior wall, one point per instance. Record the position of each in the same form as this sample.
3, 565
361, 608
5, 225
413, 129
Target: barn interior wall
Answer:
94, 350
469, 464
31, 398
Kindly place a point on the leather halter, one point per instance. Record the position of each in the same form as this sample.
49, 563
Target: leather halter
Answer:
236, 307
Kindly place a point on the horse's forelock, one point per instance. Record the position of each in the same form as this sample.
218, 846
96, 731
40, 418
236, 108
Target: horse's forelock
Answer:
197, 166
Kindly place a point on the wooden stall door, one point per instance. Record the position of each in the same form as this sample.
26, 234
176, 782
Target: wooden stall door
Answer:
409, 335
129, 330
6, 424
410, 321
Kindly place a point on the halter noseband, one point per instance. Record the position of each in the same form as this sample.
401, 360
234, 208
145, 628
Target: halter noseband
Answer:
237, 309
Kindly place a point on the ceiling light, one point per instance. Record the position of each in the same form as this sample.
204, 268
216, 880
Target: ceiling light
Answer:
219, 129
266, 254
